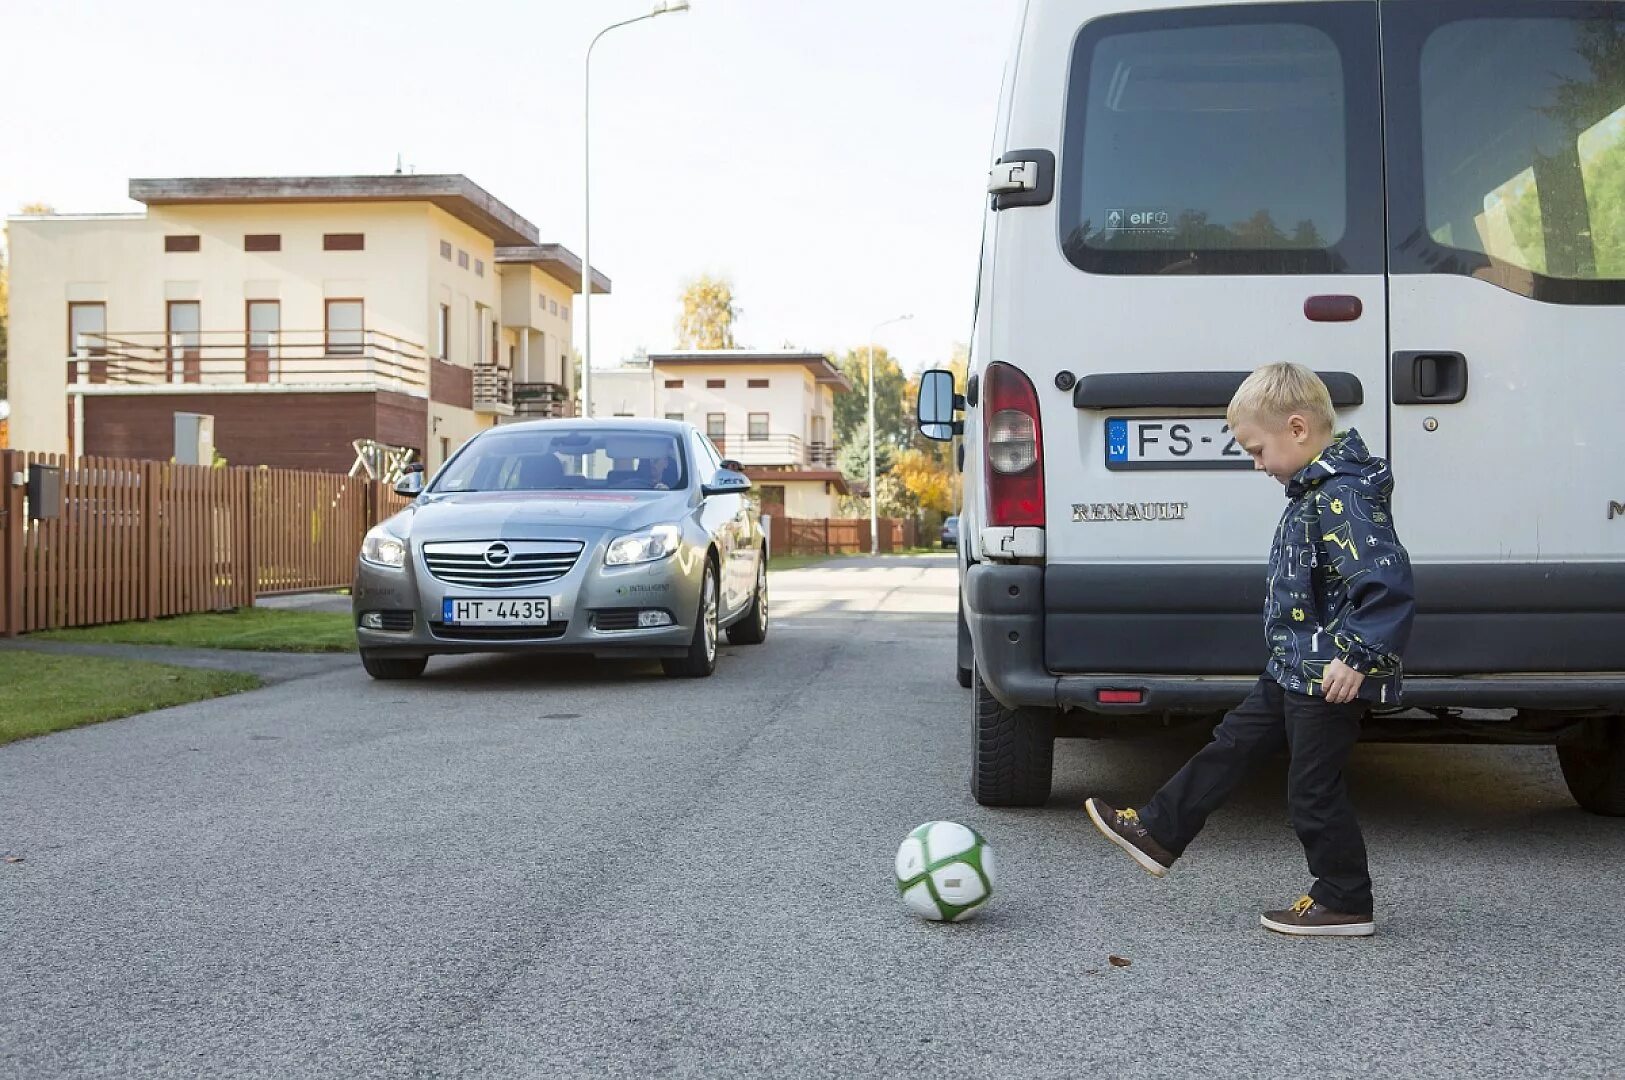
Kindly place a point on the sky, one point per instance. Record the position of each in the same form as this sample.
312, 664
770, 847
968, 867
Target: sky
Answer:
828, 157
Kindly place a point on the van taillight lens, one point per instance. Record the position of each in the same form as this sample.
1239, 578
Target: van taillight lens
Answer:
1015, 448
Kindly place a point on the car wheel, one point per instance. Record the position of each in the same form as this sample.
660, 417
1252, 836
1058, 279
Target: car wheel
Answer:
1012, 750
393, 667
1593, 760
752, 629
702, 649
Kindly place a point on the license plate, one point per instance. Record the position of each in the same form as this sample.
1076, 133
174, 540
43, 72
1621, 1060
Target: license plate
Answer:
1172, 442
507, 612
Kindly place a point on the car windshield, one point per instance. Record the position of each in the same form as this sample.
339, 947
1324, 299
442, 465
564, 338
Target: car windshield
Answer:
567, 459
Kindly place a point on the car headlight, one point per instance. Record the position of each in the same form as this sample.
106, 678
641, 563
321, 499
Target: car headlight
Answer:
383, 548
646, 546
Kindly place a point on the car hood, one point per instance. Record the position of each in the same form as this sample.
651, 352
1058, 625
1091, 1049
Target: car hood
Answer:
535, 515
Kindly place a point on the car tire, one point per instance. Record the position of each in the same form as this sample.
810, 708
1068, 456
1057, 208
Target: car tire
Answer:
965, 657
752, 628
701, 660
1012, 750
393, 667
1593, 759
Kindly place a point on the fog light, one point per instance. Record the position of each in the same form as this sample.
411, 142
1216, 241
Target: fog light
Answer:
373, 620
648, 619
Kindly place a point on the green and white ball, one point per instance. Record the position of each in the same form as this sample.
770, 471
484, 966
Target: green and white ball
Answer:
944, 871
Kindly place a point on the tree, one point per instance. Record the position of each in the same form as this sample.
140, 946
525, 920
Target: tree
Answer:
894, 417
709, 312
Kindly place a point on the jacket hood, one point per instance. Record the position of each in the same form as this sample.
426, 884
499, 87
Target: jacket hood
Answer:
1346, 456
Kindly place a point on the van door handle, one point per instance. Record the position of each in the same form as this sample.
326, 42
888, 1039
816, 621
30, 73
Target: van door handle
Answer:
1429, 378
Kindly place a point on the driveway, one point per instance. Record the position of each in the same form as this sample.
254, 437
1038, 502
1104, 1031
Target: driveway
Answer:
553, 869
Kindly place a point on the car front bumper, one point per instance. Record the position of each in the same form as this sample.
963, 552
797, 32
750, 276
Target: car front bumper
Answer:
585, 602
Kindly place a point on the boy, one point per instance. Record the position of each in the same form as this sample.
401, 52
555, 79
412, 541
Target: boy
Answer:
1337, 617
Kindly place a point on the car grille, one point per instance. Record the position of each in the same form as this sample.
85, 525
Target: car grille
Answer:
498, 633
474, 563
616, 619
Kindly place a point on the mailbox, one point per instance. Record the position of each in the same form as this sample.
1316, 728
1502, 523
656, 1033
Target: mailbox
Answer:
44, 492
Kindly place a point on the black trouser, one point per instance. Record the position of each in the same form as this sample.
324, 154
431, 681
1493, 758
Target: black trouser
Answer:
1319, 736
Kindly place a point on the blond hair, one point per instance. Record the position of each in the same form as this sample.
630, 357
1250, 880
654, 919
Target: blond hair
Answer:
1277, 391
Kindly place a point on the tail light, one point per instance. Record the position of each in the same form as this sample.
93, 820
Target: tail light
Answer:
1015, 448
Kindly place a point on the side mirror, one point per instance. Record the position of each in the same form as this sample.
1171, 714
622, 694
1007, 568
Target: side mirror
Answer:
730, 463
410, 484
727, 482
937, 405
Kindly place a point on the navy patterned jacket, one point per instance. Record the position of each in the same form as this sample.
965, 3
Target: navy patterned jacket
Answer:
1340, 581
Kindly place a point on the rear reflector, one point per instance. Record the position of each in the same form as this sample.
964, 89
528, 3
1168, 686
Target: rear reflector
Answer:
1120, 697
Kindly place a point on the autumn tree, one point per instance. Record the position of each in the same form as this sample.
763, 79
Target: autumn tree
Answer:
894, 417
708, 315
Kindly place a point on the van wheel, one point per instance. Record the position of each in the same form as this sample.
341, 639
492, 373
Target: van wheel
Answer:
1013, 750
966, 657
393, 667
1593, 759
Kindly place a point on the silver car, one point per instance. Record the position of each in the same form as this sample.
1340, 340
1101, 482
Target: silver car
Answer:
603, 537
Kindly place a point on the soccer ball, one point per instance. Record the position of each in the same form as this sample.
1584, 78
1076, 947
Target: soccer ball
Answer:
944, 871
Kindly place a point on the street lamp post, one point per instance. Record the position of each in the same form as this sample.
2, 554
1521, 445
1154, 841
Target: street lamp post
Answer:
874, 517
586, 199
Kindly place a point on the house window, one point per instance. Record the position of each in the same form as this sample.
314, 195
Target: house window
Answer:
757, 384
262, 242
462, 259
442, 340
183, 243
345, 336
553, 306
445, 449
86, 325
677, 416
496, 342
344, 241
264, 323
674, 384
564, 312
716, 427
479, 267
758, 426
445, 250
716, 384
184, 322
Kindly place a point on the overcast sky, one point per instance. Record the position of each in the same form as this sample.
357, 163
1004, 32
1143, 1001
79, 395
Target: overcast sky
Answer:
829, 157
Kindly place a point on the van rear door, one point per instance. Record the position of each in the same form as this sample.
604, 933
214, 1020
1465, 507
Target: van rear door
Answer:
1506, 179
1218, 206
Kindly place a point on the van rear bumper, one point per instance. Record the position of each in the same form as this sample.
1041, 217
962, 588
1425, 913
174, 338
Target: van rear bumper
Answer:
1005, 610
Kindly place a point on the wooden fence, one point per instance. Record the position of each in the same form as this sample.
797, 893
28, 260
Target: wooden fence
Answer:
839, 536
145, 539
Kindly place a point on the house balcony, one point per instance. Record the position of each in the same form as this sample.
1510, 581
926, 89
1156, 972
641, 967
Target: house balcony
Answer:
212, 362
541, 401
775, 450
493, 390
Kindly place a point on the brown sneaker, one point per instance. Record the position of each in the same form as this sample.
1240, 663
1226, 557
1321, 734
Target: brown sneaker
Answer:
1308, 918
1123, 828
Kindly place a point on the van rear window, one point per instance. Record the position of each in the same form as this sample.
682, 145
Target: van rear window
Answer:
1228, 140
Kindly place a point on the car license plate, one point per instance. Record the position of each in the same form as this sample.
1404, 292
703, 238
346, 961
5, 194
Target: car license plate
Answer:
1172, 442
507, 612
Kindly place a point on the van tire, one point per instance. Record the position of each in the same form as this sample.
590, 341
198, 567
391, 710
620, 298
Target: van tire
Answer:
1593, 759
1012, 750
966, 657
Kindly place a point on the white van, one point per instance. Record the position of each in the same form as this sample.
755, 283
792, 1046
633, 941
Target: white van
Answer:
1424, 201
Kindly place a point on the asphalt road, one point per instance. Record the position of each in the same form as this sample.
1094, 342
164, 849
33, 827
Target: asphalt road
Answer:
565, 869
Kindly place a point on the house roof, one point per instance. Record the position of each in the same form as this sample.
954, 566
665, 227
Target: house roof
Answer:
555, 260
454, 193
822, 367
779, 476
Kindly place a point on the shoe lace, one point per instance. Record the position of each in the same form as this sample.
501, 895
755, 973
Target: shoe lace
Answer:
1303, 905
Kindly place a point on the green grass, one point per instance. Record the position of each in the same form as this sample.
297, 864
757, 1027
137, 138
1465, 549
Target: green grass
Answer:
46, 692
796, 562
255, 629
